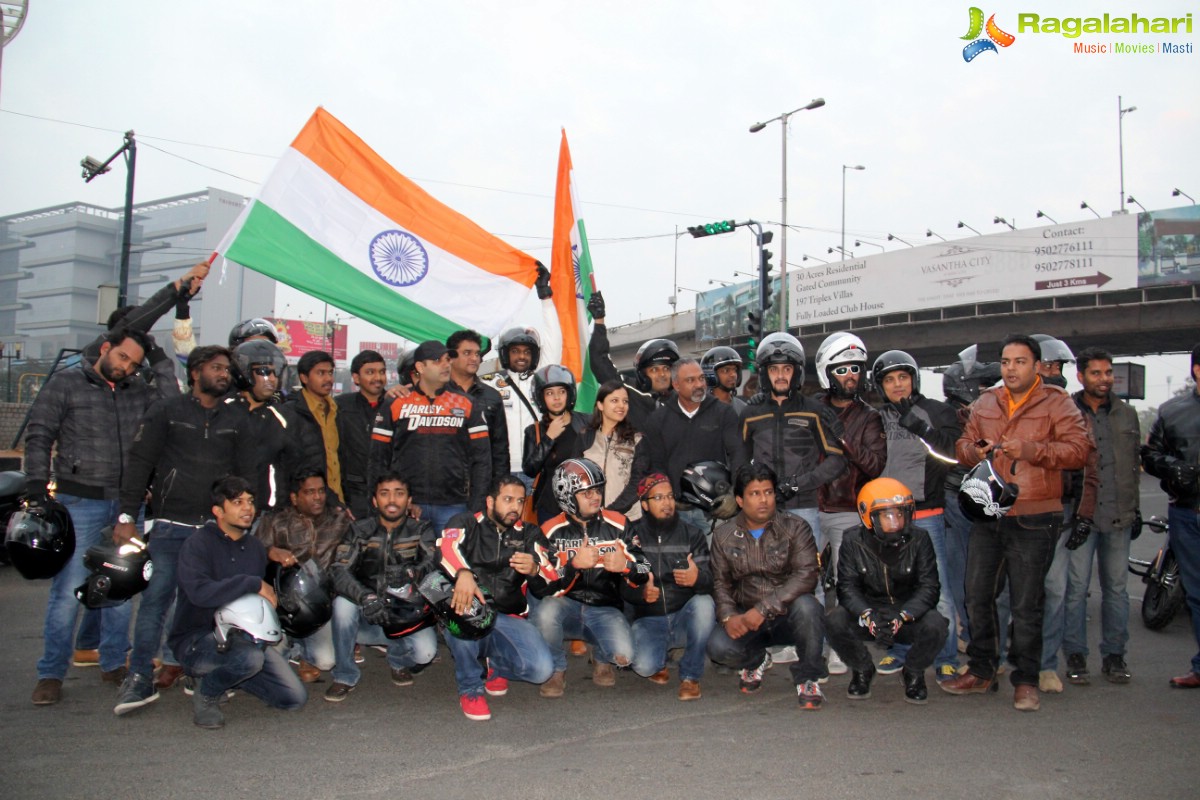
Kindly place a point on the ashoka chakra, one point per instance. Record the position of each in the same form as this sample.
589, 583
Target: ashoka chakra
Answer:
399, 258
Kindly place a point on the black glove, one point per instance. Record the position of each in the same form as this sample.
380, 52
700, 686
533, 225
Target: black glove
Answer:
1080, 533
182, 308
757, 399
374, 609
885, 629
595, 305
35, 494
1183, 476
1136, 530
787, 489
543, 282
911, 421
154, 353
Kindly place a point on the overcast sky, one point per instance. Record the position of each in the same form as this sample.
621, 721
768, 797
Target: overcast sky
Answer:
656, 98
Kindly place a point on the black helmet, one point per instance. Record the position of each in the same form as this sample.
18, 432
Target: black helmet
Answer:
572, 477
655, 351
1053, 349
706, 485
476, 623
984, 496
781, 348
303, 604
40, 539
525, 336
893, 360
118, 573
716, 358
252, 327
408, 612
963, 386
553, 375
256, 353
405, 364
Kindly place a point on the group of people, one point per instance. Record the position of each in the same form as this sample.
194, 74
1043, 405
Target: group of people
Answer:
673, 517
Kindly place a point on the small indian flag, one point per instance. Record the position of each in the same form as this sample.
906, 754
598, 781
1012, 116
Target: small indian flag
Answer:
337, 222
572, 279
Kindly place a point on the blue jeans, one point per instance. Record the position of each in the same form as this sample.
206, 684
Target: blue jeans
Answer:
1185, 543
1111, 549
1017, 551
958, 531
689, 628
1054, 616
317, 648
514, 649
813, 517
246, 666
438, 516
803, 626
603, 626
166, 540
415, 650
935, 526
696, 518
62, 609
87, 637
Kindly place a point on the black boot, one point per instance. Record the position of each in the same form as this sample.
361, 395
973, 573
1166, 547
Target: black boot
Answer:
860, 683
914, 687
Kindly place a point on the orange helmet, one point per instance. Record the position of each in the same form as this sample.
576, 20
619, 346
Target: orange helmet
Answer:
883, 493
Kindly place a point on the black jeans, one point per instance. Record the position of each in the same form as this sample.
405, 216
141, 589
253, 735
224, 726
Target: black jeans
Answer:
1016, 550
803, 626
925, 636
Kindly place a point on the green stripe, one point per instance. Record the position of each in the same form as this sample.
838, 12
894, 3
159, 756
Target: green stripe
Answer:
588, 386
269, 244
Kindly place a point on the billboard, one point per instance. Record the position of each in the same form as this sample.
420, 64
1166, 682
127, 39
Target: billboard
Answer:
1169, 246
1080, 257
297, 337
721, 313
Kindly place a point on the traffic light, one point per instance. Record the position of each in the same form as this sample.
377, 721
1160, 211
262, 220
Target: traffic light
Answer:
754, 326
765, 282
712, 228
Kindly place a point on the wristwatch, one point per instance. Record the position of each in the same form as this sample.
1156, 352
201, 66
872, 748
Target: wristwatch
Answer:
125, 519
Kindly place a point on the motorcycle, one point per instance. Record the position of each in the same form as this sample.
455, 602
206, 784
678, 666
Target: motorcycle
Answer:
1164, 590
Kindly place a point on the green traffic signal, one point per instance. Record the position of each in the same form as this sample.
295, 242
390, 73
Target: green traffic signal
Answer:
712, 228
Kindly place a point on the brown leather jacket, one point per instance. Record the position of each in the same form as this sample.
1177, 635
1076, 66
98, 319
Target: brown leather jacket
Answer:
1054, 438
768, 573
865, 447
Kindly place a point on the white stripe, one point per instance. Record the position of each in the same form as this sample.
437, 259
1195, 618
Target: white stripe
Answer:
477, 429
313, 201
381, 431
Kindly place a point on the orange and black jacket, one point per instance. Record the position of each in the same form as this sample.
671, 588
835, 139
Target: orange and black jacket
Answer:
474, 543
595, 586
440, 447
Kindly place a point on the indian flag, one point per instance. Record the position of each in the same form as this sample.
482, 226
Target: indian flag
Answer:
337, 222
572, 280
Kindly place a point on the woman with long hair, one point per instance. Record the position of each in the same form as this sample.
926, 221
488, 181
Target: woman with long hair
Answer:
612, 442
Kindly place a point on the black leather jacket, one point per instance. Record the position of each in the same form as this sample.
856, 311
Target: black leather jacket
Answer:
865, 581
1174, 437
472, 542
595, 586
667, 550
370, 558
800, 439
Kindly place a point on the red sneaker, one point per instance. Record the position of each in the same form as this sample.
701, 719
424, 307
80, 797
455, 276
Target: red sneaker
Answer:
495, 685
475, 707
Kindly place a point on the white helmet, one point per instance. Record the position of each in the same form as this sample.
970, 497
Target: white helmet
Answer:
251, 613
839, 348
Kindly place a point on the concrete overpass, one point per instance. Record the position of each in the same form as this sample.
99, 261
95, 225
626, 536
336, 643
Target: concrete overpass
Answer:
1131, 322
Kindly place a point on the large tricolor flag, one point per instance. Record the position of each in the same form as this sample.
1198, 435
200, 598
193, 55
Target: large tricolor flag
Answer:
337, 222
572, 280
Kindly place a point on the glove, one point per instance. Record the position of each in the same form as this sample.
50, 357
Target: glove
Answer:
727, 507
886, 627
787, 489
154, 353
595, 305
1080, 533
374, 609
757, 399
1136, 530
912, 422
1183, 476
35, 494
182, 303
543, 282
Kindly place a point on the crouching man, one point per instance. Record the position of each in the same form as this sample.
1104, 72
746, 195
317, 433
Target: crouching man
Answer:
764, 572
887, 591
375, 571
495, 551
218, 564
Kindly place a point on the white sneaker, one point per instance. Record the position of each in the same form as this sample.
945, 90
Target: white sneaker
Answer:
783, 655
836, 665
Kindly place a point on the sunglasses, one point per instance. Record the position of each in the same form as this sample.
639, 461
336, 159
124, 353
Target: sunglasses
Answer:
263, 372
846, 369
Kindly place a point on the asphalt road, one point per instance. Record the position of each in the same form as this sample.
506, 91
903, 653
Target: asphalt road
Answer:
1101, 741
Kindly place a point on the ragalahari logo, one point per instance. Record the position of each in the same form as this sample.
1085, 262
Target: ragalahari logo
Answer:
995, 36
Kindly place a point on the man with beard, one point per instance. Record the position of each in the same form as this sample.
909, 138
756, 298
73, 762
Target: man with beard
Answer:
308, 530
186, 443
364, 431
676, 610
595, 555
466, 353
312, 418
375, 570
89, 414
495, 557
652, 367
218, 565
694, 427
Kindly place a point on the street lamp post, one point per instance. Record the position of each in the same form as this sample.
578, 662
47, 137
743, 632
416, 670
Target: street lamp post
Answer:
860, 243
892, 236
806, 257
844, 168
962, 224
1177, 192
1121, 112
755, 128
1084, 204
929, 232
1041, 214
92, 168
10, 352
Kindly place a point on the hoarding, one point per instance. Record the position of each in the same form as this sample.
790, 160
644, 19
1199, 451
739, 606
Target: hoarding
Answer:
297, 337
